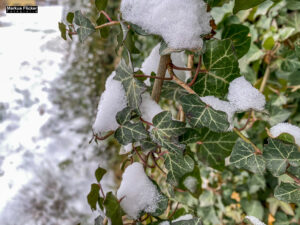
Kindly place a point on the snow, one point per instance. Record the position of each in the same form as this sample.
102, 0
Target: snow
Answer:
221, 105
184, 217
139, 193
151, 63
164, 223
286, 128
149, 108
190, 183
180, 23
112, 101
125, 149
254, 220
243, 96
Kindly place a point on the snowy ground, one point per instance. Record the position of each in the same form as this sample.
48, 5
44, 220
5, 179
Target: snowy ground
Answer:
32, 141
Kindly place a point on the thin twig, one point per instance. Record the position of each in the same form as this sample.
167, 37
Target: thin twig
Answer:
197, 71
172, 214
154, 159
246, 124
257, 150
146, 122
101, 189
296, 179
105, 137
154, 77
265, 79
179, 68
112, 23
106, 15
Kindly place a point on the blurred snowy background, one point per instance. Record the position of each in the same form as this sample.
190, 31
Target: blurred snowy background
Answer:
49, 90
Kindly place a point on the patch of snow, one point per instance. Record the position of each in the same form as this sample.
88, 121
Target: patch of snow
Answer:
180, 23
243, 96
149, 108
221, 105
190, 183
112, 101
164, 223
254, 220
184, 217
151, 63
286, 128
139, 193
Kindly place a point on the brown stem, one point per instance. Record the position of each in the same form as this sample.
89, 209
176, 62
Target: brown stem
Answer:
179, 68
141, 158
112, 23
257, 150
106, 15
105, 137
154, 159
197, 71
161, 72
265, 79
154, 77
296, 179
101, 189
172, 214
146, 122
246, 124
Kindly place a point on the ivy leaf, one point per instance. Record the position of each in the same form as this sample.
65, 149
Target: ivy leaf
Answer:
104, 32
287, 138
245, 4
162, 203
192, 182
63, 30
86, 28
101, 4
148, 145
177, 166
133, 87
195, 221
99, 173
201, 115
222, 65
238, 33
243, 156
130, 132
70, 17
279, 155
172, 91
124, 115
113, 209
214, 3
99, 220
166, 132
288, 192
214, 147
93, 196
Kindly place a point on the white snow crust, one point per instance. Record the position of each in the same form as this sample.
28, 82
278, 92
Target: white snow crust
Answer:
139, 193
180, 23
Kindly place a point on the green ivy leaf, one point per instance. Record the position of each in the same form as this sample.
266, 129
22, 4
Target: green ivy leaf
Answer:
172, 91
222, 65
279, 155
99, 173
214, 147
130, 132
166, 132
148, 145
238, 33
253, 208
86, 28
243, 156
104, 32
214, 3
192, 182
162, 203
113, 209
177, 166
245, 4
124, 115
63, 30
101, 4
287, 138
70, 17
133, 87
195, 221
288, 192
93, 196
201, 115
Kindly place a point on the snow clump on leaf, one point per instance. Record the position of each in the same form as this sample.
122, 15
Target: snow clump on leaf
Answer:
149, 108
286, 128
138, 192
254, 220
243, 96
112, 101
180, 23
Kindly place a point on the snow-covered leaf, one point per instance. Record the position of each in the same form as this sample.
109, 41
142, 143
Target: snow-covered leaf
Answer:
93, 196
133, 87
214, 147
239, 35
201, 115
243, 156
166, 132
177, 165
288, 192
113, 209
192, 182
86, 28
222, 65
280, 155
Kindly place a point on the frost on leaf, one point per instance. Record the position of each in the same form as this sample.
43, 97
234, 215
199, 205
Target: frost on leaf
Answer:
279, 156
133, 87
288, 192
201, 115
281, 128
243, 156
134, 185
149, 108
222, 67
243, 96
254, 220
86, 28
112, 101
163, 18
